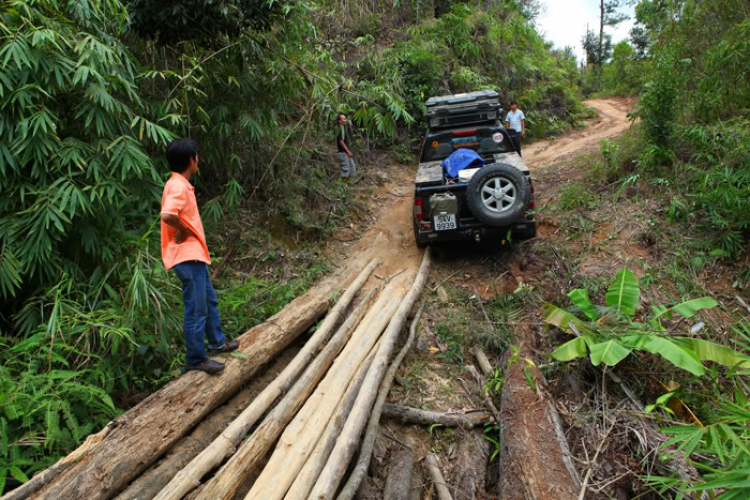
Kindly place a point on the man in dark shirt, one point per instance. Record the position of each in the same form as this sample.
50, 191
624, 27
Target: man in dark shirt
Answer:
348, 167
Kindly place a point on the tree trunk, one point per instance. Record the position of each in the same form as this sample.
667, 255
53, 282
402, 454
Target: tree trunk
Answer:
407, 415
306, 478
398, 484
140, 436
189, 477
333, 473
355, 478
151, 482
231, 476
279, 473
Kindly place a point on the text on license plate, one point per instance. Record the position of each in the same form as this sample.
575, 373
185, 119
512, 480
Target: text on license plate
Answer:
445, 221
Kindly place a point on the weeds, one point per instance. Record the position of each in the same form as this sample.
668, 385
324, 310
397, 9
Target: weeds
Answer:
577, 195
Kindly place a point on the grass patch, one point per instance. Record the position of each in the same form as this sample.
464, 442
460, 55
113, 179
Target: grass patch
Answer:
576, 195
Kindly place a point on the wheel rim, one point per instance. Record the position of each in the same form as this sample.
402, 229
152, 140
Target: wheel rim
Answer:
498, 194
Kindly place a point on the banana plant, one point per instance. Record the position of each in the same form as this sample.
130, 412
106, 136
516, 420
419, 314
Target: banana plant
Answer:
610, 334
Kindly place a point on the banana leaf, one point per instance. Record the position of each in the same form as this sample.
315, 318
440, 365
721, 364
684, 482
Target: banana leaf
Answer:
610, 353
624, 294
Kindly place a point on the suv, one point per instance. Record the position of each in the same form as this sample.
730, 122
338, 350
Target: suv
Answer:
491, 202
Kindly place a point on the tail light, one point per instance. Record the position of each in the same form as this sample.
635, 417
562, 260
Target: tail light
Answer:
418, 208
465, 132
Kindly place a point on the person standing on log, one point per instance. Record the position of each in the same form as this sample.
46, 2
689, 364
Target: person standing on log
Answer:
184, 249
515, 122
345, 156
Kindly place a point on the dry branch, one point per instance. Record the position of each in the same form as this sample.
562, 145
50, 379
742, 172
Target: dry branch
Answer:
437, 477
303, 432
355, 478
165, 416
334, 470
408, 415
189, 477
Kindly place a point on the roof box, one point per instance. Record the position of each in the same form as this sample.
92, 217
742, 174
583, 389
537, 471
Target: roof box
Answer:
463, 109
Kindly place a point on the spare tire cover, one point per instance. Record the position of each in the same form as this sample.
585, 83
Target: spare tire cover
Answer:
498, 194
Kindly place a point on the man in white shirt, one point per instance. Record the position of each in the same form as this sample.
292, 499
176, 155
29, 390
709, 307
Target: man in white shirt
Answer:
515, 122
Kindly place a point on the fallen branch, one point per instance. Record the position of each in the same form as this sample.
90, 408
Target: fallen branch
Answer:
334, 470
189, 477
437, 477
365, 454
467, 420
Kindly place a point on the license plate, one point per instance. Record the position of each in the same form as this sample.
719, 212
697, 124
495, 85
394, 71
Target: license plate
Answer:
444, 222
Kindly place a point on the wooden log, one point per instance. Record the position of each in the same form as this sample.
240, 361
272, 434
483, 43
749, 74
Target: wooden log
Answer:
165, 416
355, 478
225, 483
333, 472
40, 479
443, 493
405, 414
152, 481
189, 477
398, 484
311, 470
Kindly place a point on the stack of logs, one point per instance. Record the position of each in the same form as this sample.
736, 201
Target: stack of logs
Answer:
297, 437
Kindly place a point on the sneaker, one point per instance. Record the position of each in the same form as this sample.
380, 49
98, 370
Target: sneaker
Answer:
227, 347
209, 366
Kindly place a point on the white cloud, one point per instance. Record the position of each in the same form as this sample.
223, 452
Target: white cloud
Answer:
563, 22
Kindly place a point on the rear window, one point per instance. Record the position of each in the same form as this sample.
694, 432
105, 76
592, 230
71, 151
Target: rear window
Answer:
486, 142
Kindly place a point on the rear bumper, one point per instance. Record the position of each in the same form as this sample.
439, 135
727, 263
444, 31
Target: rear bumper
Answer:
473, 232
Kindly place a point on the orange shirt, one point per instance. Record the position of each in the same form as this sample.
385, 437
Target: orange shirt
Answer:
179, 199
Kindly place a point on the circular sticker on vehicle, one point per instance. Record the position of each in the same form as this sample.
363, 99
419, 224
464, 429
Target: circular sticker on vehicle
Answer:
435, 144
497, 137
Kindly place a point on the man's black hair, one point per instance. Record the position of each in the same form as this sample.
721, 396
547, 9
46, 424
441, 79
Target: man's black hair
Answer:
513, 102
338, 116
179, 153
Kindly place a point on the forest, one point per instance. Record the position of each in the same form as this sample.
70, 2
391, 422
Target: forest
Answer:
92, 91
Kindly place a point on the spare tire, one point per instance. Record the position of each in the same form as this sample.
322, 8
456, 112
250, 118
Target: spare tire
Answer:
498, 194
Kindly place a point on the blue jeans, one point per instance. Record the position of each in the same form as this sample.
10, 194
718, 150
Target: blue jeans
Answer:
201, 311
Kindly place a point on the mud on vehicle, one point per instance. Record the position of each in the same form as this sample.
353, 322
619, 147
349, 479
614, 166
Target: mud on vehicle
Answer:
495, 201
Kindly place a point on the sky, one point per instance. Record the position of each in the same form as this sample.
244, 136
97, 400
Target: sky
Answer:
563, 22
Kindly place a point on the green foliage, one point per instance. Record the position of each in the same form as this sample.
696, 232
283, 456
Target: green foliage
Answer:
720, 448
611, 334
453, 340
574, 195
72, 140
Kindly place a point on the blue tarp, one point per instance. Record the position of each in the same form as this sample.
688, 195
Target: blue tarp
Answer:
461, 159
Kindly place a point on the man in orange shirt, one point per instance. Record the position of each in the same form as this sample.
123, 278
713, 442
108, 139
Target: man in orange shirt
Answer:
183, 248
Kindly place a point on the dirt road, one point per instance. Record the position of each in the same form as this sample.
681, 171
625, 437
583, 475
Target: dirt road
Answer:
612, 121
391, 237
533, 465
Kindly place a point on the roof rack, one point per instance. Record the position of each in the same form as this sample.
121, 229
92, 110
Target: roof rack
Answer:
463, 109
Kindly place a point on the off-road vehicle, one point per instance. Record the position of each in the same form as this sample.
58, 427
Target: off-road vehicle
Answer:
495, 201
